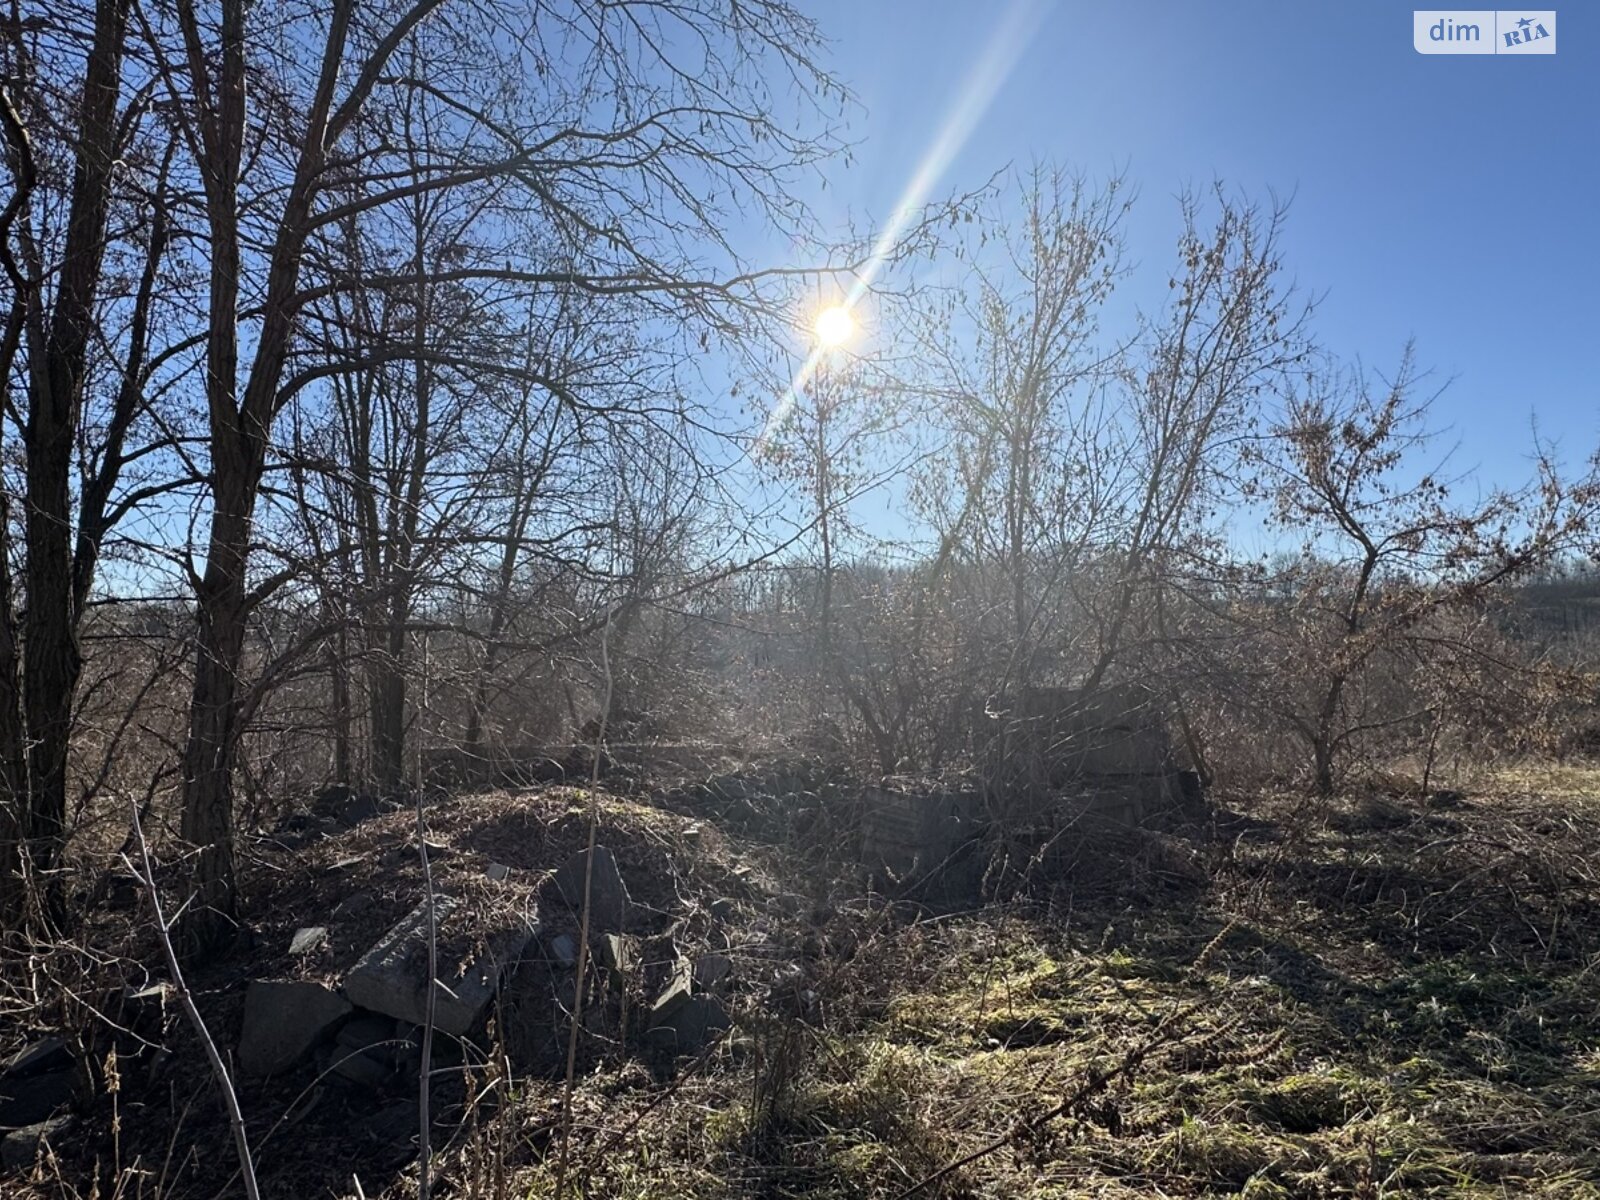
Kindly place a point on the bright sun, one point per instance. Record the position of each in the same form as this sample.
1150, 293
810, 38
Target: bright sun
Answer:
835, 325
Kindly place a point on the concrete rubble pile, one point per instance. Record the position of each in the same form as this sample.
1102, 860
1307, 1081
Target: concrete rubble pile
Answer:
1061, 761
364, 1031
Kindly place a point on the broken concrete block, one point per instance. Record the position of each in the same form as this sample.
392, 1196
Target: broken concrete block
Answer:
306, 940
35, 1082
364, 1053
392, 977
678, 992
283, 1020
690, 1025
564, 949
367, 1029
498, 872
710, 970
30, 1099
608, 894
46, 1054
615, 952
20, 1148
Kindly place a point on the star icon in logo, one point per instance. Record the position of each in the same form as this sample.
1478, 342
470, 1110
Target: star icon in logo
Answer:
1525, 22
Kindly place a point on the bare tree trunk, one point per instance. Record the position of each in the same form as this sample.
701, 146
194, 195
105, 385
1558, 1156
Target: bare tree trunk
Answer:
213, 735
51, 658
339, 670
491, 655
387, 696
825, 536
239, 434
526, 480
208, 91
1322, 765
1326, 735
405, 523
14, 889
1017, 548
499, 615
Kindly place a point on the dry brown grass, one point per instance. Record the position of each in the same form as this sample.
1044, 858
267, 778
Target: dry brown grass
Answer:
1387, 996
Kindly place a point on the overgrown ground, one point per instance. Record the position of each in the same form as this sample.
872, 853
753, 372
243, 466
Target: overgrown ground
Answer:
1385, 996
1398, 1000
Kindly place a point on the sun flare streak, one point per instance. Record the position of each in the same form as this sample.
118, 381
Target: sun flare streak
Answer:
982, 84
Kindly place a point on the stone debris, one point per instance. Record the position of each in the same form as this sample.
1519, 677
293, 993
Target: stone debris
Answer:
498, 872
564, 949
710, 970
312, 937
693, 1024
392, 977
407, 853
363, 1053
345, 805
682, 1021
20, 1148
283, 1020
35, 1082
36, 1058
909, 834
616, 953
608, 893
679, 989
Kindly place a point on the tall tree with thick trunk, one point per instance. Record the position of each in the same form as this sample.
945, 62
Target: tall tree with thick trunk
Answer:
59, 311
240, 423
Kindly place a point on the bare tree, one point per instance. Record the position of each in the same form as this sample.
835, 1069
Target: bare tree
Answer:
622, 167
75, 360
1230, 336
1082, 475
1021, 364
1384, 547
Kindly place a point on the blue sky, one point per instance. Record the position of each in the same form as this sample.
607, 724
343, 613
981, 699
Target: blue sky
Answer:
1454, 199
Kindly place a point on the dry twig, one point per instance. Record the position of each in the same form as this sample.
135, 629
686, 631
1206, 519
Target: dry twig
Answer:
219, 1069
